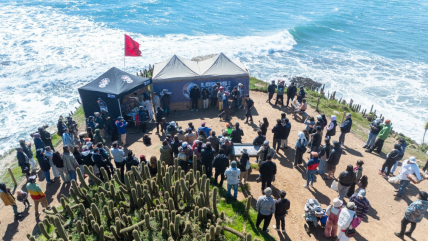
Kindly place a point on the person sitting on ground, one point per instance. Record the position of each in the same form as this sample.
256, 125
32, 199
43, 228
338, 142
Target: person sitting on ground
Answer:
8, 200
311, 168
232, 176
237, 134
265, 207
37, 195
413, 215
302, 107
220, 163
346, 179
381, 137
282, 205
391, 158
375, 128
147, 140
361, 202
258, 141
213, 139
332, 212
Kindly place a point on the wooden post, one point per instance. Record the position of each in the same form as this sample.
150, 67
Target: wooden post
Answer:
318, 102
343, 117
371, 109
13, 178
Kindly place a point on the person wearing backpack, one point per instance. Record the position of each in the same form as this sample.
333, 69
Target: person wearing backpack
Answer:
281, 207
232, 176
347, 223
300, 147
220, 163
331, 128
244, 166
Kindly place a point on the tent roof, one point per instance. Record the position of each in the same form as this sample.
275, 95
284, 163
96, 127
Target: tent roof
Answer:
176, 68
115, 81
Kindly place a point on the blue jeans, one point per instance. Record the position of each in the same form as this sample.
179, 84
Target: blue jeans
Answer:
371, 139
235, 189
310, 177
321, 167
403, 186
394, 167
72, 175
47, 176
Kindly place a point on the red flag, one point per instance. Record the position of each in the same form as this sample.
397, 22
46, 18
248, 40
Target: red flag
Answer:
131, 47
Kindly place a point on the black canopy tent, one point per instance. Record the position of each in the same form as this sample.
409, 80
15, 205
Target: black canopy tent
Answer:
105, 91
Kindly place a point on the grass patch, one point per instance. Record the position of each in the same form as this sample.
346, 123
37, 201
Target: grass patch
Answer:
17, 173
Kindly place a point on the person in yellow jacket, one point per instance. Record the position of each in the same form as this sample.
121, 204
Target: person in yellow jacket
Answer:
8, 199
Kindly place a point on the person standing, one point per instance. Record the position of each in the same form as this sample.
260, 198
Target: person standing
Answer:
409, 167
249, 105
213, 95
324, 155
300, 148
258, 141
194, 95
67, 140
156, 100
205, 97
220, 95
277, 131
331, 128
119, 158
291, 92
49, 154
235, 97
346, 179
232, 176
280, 93
121, 127
37, 195
225, 106
333, 160
413, 215
70, 163
286, 128
375, 127
267, 171
264, 151
166, 154
264, 125
361, 202
332, 212
237, 134
100, 121
27, 150
271, 91
23, 161
265, 207
9, 200
38, 143
301, 95
311, 168
281, 207
358, 176
213, 139
381, 137
44, 165
100, 162
245, 158
166, 102
220, 163
345, 128
207, 157
347, 217
107, 122
241, 94
391, 158
46, 137
149, 107
131, 161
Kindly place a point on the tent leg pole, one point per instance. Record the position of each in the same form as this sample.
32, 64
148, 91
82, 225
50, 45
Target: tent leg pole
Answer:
120, 109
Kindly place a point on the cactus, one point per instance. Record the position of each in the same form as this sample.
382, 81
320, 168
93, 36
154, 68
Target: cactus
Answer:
189, 197
82, 236
93, 177
207, 237
96, 213
43, 230
171, 204
147, 221
248, 206
31, 237
113, 230
212, 232
81, 179
69, 211
177, 225
79, 226
60, 229
207, 193
248, 237
107, 213
137, 174
159, 174
136, 235
105, 175
171, 229
214, 197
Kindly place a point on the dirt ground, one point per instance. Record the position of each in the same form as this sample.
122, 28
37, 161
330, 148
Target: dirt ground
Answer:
383, 218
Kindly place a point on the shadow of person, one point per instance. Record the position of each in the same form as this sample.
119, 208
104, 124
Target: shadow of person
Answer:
11, 230
372, 213
283, 236
322, 199
352, 152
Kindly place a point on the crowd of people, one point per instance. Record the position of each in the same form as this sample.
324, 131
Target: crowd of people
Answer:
213, 151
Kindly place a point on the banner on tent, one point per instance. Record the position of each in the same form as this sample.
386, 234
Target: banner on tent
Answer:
180, 91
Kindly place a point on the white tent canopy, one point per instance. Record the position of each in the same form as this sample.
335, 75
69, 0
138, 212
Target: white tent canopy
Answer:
178, 68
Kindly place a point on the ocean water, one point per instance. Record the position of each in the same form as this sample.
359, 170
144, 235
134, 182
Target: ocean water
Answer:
375, 52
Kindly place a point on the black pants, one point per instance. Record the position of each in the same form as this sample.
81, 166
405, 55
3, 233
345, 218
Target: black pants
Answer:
121, 165
280, 97
261, 217
266, 182
351, 190
280, 221
425, 167
270, 97
377, 145
288, 99
389, 166
214, 101
217, 173
195, 103
105, 166
225, 111
404, 223
298, 157
209, 170
248, 114
276, 144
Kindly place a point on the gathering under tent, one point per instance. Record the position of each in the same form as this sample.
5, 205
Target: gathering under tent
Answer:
114, 90
178, 76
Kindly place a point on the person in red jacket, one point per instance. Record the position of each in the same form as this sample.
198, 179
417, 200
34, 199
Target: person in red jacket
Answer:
311, 168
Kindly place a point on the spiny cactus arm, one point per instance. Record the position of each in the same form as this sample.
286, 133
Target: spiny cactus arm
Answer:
31, 237
82, 179
186, 192
136, 235
82, 236
116, 235
43, 230
105, 175
69, 211
231, 230
248, 237
92, 175
214, 201
60, 229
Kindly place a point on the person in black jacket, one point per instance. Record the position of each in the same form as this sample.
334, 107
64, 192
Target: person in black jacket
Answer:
324, 155
264, 125
286, 127
271, 91
391, 158
375, 128
101, 162
23, 161
207, 156
131, 161
346, 179
281, 207
249, 105
220, 163
268, 171
334, 159
345, 128
301, 95
291, 92
258, 141
331, 127
159, 116
277, 131
194, 95
237, 134
165, 101
316, 140
46, 137
242, 164
44, 164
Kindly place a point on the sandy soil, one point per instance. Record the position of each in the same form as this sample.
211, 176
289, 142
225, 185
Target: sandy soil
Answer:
383, 218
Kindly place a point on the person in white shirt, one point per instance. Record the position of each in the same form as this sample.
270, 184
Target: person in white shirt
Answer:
147, 103
346, 218
409, 167
119, 158
232, 176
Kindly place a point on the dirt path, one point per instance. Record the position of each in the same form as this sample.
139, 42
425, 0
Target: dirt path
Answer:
383, 218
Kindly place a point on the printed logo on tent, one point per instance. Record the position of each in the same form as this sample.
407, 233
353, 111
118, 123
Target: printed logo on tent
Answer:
126, 79
104, 82
186, 89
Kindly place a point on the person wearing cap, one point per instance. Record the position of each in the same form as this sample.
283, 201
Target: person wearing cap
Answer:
300, 148
166, 102
332, 212
237, 134
280, 93
119, 157
271, 91
249, 105
375, 128
195, 95
264, 151
413, 215
361, 202
67, 140
232, 176
38, 143
403, 145
301, 94
345, 179
44, 164
291, 92
220, 94
281, 207
107, 123
345, 128
37, 195
267, 171
225, 106
409, 167
265, 207
381, 137
220, 163
9, 200
229, 129
100, 121
347, 220
121, 127
207, 130
23, 161
311, 168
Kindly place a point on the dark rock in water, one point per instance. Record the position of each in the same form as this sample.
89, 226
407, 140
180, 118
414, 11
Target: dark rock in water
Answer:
302, 81
204, 57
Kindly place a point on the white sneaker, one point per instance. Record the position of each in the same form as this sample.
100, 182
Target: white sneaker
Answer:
274, 227
305, 186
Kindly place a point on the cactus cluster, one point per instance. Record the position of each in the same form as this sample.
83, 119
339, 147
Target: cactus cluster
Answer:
169, 206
